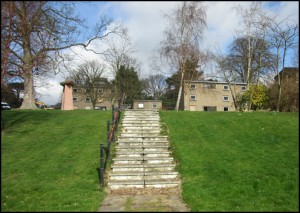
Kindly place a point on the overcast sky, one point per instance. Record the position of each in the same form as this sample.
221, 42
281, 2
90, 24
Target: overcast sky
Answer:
145, 22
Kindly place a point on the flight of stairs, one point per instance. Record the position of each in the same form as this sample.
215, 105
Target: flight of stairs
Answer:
143, 157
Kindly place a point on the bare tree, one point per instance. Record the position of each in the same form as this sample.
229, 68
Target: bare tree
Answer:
42, 30
90, 78
155, 85
255, 24
118, 53
283, 38
7, 13
227, 68
182, 38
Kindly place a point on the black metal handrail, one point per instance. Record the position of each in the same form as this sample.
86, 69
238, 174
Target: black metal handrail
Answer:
116, 114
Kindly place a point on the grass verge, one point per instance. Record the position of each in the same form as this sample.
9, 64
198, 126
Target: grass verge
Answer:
50, 159
232, 161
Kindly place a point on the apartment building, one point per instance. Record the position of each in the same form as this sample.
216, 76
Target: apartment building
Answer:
210, 95
82, 101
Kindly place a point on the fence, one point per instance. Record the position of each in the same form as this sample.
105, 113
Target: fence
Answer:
116, 114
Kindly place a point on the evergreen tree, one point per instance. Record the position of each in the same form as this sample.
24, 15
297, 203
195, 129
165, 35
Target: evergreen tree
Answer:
127, 81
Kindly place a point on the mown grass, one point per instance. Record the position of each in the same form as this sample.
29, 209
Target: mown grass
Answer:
50, 159
232, 161
228, 161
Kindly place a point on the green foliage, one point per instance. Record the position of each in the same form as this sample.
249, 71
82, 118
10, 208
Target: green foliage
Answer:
173, 82
11, 94
241, 101
50, 160
127, 81
257, 94
290, 96
236, 161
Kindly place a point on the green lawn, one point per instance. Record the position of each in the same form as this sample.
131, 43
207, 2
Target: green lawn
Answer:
232, 161
49, 159
228, 161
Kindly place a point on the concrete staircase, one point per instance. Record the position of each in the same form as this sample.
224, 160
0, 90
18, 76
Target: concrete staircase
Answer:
143, 158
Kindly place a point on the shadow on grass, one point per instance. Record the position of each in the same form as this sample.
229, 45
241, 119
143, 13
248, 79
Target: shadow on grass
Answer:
15, 118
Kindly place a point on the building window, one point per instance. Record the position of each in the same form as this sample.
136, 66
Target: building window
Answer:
193, 86
193, 97
75, 99
140, 106
75, 90
154, 106
87, 99
243, 88
209, 86
210, 108
226, 109
225, 98
225, 87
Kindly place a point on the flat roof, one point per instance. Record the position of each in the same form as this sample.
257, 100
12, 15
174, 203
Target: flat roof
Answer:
147, 100
214, 82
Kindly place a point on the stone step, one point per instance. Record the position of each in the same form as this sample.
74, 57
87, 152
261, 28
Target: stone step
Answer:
156, 118
142, 144
135, 121
116, 184
116, 175
161, 183
150, 137
141, 127
140, 131
139, 134
144, 148
145, 167
142, 160
140, 120
141, 113
142, 153
120, 140
147, 125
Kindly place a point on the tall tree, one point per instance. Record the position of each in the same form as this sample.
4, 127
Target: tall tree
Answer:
182, 38
261, 59
283, 37
173, 82
127, 82
42, 30
7, 37
119, 52
254, 25
154, 86
91, 81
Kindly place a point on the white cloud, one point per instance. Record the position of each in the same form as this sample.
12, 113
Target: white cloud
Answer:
51, 93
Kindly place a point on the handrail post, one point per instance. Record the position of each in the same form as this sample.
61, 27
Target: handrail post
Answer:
108, 150
117, 120
113, 114
101, 166
108, 141
108, 129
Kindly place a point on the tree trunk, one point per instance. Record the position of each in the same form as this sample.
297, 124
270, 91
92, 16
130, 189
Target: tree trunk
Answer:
28, 98
180, 91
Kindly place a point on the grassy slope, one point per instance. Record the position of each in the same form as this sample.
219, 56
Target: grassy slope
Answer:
50, 158
237, 161
229, 162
